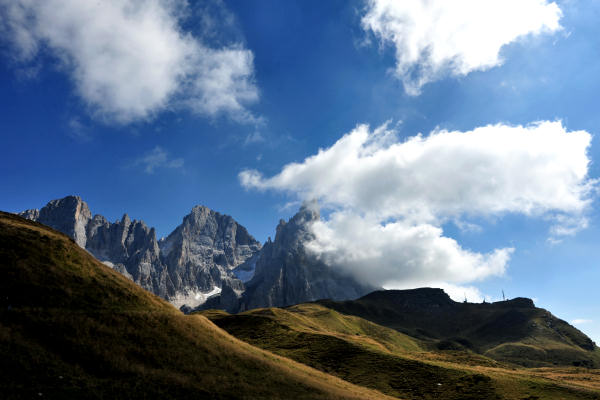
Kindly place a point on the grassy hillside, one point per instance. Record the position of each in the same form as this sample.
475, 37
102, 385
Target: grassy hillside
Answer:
510, 331
353, 349
394, 363
71, 327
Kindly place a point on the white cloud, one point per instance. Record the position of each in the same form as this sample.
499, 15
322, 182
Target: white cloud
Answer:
581, 321
254, 137
78, 131
389, 198
157, 158
437, 38
130, 59
533, 170
400, 254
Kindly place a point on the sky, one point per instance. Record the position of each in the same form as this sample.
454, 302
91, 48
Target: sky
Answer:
450, 144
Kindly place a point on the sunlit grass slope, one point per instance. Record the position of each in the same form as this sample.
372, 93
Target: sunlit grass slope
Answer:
71, 327
381, 358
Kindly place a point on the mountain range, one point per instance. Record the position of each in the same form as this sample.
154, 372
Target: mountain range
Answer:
208, 257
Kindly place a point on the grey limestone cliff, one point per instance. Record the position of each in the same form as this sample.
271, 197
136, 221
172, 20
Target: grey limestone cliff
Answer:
202, 251
131, 248
69, 215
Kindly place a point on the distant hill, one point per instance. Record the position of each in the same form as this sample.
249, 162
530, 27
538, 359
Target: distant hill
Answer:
381, 358
73, 328
510, 331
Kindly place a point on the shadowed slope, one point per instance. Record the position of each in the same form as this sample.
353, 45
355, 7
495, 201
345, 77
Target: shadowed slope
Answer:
71, 327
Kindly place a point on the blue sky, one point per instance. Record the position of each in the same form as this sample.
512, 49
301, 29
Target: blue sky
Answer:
256, 85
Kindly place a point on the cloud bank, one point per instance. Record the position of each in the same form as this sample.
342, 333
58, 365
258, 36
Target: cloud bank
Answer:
130, 59
434, 39
389, 197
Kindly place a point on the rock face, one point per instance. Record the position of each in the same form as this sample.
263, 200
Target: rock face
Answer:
191, 264
202, 251
69, 215
286, 273
131, 248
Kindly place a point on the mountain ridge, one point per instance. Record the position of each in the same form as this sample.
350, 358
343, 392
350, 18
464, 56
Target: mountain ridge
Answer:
209, 260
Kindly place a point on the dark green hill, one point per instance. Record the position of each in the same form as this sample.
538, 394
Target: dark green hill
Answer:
511, 331
72, 328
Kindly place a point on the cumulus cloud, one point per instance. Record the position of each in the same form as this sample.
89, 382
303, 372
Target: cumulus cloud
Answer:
433, 39
130, 59
157, 158
400, 253
389, 197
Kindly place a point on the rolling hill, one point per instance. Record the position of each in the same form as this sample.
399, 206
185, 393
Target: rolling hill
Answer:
512, 331
394, 363
70, 327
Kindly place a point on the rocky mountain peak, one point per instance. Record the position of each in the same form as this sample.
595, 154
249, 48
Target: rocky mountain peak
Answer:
309, 212
286, 273
69, 215
32, 214
125, 220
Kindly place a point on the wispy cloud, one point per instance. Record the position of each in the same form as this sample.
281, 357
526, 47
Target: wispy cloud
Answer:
78, 130
131, 59
157, 158
254, 137
434, 39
